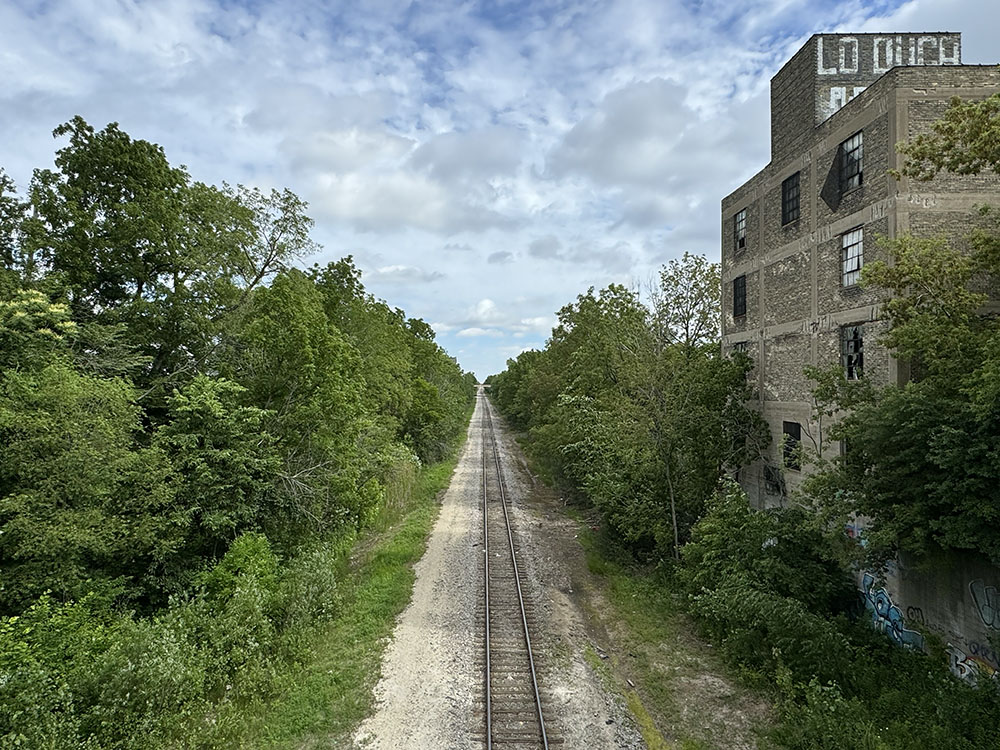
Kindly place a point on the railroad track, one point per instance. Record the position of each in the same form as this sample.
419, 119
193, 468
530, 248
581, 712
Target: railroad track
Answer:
513, 704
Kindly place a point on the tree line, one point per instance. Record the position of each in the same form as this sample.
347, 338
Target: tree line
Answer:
191, 427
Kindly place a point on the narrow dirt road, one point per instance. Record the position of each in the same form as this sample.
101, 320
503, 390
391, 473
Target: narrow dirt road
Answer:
431, 691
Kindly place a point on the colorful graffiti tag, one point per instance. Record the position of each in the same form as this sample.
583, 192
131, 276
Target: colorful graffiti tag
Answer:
980, 662
886, 616
987, 603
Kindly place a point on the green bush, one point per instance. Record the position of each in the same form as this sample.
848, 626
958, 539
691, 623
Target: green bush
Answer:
767, 588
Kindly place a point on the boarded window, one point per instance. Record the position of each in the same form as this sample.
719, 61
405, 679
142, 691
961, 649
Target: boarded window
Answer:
852, 351
790, 199
852, 256
739, 296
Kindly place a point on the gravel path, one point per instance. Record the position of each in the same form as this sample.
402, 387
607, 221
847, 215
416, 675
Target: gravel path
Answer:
430, 692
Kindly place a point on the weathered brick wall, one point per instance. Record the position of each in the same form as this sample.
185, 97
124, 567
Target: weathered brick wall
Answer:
832, 69
784, 357
831, 295
792, 101
788, 289
776, 234
796, 301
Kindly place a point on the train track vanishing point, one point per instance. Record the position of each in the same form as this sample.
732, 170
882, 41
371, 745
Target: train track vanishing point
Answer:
513, 705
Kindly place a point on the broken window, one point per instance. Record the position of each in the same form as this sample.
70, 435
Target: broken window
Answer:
740, 230
852, 351
790, 199
851, 163
739, 296
852, 256
791, 452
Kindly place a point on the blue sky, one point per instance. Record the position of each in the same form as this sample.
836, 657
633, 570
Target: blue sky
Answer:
483, 162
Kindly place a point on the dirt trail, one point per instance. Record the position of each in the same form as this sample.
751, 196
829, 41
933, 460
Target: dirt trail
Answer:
430, 692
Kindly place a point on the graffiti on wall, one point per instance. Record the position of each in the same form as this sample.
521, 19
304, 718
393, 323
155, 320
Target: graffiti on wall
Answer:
854, 530
987, 603
886, 616
978, 662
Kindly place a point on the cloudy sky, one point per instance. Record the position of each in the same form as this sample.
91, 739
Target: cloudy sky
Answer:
484, 162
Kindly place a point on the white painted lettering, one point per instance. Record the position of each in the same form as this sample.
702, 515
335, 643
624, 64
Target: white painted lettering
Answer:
848, 54
820, 69
882, 56
923, 42
955, 56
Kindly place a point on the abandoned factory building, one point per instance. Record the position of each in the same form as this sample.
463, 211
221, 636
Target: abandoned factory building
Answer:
795, 236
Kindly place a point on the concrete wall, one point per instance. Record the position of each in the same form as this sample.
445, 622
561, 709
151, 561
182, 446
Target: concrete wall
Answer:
954, 598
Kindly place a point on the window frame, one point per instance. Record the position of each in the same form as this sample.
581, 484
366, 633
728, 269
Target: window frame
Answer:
740, 231
851, 169
852, 352
740, 296
850, 272
790, 442
791, 191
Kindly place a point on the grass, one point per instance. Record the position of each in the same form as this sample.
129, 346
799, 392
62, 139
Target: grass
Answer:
664, 656
322, 700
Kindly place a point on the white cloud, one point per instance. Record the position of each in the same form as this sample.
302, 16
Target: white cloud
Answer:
545, 247
484, 162
477, 332
402, 275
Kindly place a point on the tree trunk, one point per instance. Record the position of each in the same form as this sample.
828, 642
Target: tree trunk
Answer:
673, 512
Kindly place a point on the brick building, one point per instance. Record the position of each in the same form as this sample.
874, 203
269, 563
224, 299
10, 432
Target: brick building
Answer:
795, 236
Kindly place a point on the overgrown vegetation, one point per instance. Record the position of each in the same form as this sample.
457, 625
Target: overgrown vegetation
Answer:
643, 424
768, 589
922, 462
634, 407
193, 432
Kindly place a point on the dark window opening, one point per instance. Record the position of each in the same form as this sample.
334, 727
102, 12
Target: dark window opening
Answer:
851, 163
852, 351
740, 230
791, 444
790, 199
739, 296
852, 256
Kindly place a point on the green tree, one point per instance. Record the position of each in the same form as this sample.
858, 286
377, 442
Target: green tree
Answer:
225, 463
81, 505
965, 141
297, 367
635, 408
137, 246
13, 265
923, 461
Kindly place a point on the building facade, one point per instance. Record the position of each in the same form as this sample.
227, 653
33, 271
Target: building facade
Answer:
795, 236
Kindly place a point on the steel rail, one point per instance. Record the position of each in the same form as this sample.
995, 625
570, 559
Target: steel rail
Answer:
517, 577
486, 584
